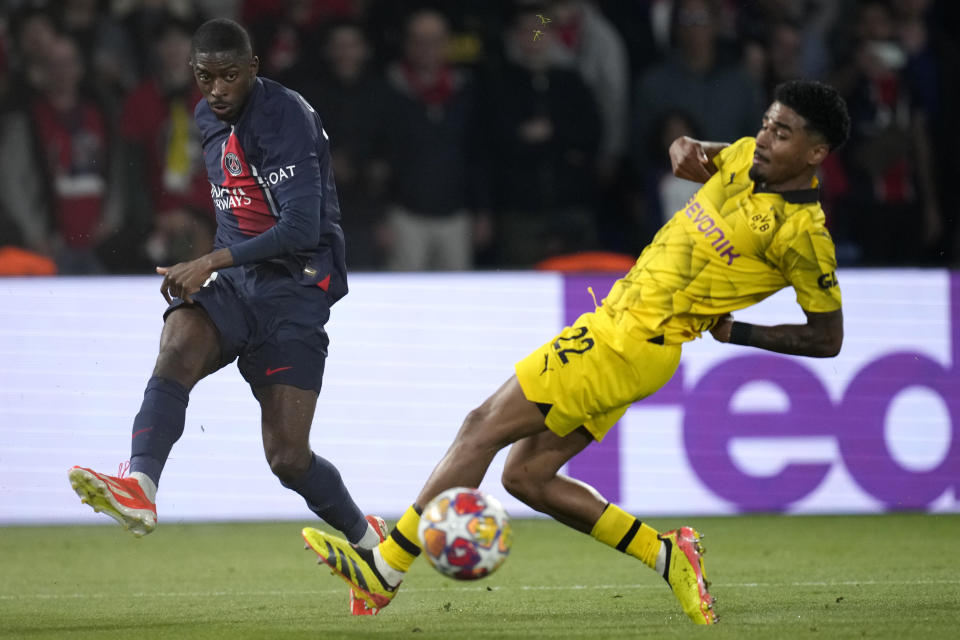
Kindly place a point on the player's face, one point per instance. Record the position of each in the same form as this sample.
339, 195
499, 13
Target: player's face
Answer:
225, 79
786, 153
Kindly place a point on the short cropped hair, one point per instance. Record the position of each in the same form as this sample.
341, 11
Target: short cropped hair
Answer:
221, 35
820, 105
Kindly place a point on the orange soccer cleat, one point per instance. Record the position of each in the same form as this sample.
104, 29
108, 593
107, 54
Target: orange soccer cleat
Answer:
120, 498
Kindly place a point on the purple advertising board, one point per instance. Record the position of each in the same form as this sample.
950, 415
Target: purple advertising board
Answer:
856, 420
736, 429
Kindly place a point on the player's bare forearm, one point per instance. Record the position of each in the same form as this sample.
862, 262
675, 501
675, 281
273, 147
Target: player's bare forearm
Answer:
821, 337
795, 339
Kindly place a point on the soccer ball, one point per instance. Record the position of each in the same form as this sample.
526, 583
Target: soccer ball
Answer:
465, 533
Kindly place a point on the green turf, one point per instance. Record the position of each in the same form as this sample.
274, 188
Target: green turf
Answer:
775, 577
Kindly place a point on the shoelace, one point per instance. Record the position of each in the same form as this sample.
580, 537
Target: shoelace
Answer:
124, 469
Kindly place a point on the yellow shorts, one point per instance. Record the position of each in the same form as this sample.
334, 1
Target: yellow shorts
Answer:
583, 377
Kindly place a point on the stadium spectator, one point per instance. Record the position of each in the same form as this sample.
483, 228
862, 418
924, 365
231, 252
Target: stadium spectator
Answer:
286, 34
793, 35
167, 192
108, 55
718, 94
73, 156
594, 47
634, 22
350, 100
475, 28
709, 47
782, 56
142, 19
432, 134
31, 32
888, 162
24, 207
547, 129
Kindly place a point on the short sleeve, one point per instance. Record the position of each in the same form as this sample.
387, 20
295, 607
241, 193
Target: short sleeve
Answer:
734, 153
294, 150
807, 259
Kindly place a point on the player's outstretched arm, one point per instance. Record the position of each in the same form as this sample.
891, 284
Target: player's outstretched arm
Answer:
693, 159
821, 337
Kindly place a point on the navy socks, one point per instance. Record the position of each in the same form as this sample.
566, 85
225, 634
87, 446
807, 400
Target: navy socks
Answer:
158, 425
326, 495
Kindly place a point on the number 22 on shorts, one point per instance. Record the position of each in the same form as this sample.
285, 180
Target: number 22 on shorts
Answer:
575, 343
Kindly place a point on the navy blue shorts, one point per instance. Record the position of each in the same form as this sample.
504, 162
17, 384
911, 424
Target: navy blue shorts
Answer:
269, 323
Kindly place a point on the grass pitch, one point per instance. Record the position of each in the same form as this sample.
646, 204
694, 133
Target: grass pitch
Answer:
892, 576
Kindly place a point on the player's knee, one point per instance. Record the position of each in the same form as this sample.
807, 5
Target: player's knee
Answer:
177, 362
288, 464
521, 484
189, 347
474, 432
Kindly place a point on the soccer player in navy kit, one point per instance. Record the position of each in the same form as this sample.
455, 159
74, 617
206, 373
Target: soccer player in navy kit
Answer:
261, 297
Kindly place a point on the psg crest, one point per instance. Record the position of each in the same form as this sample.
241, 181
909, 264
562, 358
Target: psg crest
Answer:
232, 162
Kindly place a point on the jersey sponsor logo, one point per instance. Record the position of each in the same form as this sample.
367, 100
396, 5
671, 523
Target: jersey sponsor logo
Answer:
232, 163
225, 198
828, 280
280, 174
705, 224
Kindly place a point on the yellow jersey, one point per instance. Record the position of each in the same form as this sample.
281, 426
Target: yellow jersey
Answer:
730, 247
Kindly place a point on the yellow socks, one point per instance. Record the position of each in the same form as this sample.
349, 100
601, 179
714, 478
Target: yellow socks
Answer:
402, 546
615, 528
623, 532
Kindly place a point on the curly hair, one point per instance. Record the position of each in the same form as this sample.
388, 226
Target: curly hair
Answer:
221, 35
820, 105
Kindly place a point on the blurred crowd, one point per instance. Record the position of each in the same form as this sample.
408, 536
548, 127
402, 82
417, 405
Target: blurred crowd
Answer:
470, 133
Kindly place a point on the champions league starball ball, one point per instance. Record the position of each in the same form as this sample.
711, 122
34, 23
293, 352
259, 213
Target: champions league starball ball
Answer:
465, 533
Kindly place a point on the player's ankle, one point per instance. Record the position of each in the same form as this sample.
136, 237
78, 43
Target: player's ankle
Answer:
660, 565
370, 538
146, 485
392, 575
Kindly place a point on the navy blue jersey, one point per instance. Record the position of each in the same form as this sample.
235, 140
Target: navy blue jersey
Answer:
271, 179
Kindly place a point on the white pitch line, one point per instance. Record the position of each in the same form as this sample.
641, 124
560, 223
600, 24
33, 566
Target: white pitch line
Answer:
569, 587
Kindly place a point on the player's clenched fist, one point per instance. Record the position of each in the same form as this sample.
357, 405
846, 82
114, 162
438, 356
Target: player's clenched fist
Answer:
692, 159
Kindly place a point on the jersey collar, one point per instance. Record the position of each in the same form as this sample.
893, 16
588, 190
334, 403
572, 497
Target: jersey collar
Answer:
796, 196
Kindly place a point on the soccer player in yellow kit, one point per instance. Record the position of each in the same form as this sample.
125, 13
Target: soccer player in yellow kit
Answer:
755, 227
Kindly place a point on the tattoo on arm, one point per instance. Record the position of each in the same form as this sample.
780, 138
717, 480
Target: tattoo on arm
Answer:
821, 337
